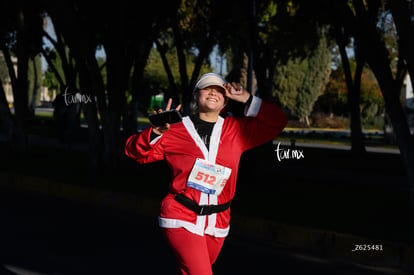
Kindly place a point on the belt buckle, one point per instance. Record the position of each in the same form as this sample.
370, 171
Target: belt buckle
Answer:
202, 208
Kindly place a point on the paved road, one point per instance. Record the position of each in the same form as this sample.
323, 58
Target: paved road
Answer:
43, 235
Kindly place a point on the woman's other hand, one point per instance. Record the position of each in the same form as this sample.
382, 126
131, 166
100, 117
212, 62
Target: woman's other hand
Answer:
159, 130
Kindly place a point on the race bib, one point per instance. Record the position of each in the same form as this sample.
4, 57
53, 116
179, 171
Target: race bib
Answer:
208, 177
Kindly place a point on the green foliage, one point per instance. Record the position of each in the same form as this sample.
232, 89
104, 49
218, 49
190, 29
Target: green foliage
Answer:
288, 80
373, 122
50, 79
316, 78
4, 72
269, 12
284, 30
299, 82
155, 72
370, 90
102, 65
335, 97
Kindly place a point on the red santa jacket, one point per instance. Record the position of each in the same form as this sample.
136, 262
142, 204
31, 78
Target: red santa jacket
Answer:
181, 145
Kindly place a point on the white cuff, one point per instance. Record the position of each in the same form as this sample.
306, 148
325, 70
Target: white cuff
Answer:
253, 109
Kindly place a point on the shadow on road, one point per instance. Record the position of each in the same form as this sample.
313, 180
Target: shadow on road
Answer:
45, 235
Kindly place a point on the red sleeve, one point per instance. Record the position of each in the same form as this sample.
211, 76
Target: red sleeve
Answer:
139, 147
263, 126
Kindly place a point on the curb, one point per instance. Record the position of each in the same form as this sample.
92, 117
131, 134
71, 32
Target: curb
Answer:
331, 246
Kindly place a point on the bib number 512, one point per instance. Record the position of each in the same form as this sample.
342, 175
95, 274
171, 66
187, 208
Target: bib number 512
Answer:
206, 178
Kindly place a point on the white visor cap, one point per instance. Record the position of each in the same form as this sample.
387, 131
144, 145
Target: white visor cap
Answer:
209, 79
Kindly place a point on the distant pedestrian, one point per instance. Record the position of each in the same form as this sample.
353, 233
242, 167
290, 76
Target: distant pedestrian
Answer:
203, 152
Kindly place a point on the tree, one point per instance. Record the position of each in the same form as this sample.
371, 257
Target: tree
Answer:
288, 80
20, 36
126, 38
35, 81
359, 19
315, 80
376, 55
335, 97
282, 30
5, 114
300, 82
192, 33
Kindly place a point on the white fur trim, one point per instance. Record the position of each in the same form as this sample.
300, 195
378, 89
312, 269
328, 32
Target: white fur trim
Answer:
254, 107
155, 140
210, 155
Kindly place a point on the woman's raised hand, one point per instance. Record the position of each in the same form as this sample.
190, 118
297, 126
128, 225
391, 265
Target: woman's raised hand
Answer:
235, 92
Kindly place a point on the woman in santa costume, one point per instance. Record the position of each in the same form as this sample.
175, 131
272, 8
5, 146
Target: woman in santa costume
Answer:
203, 152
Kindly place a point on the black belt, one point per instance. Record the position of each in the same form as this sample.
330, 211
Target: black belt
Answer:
201, 210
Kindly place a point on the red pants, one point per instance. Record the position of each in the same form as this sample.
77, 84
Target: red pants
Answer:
195, 254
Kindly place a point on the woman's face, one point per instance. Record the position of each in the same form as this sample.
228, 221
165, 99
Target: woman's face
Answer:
211, 99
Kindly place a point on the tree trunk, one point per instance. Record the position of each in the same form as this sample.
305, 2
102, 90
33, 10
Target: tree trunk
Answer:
91, 115
377, 57
405, 29
20, 92
353, 86
173, 87
398, 121
98, 86
140, 59
5, 114
20, 105
354, 96
307, 123
119, 66
95, 138
33, 101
